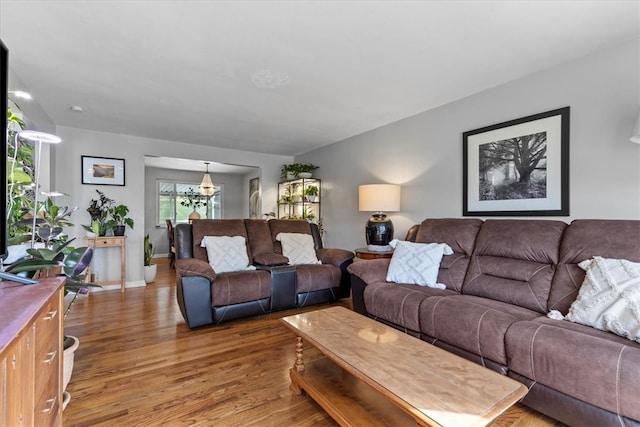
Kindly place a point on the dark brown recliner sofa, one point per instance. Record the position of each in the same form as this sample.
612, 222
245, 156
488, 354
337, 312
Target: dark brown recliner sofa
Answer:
206, 297
502, 279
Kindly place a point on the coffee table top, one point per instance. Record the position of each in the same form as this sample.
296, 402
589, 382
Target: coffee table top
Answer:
430, 383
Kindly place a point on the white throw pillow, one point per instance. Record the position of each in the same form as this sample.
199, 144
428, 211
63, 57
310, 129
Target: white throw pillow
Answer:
417, 263
227, 253
609, 298
298, 247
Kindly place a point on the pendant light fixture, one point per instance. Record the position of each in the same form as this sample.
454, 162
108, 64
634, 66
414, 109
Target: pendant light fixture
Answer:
206, 186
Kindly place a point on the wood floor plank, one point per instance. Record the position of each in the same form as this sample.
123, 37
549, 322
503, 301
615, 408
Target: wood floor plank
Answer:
138, 364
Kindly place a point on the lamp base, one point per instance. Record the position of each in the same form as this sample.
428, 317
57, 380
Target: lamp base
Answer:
379, 230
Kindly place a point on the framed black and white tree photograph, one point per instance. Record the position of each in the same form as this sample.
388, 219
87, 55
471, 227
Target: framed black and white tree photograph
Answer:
518, 168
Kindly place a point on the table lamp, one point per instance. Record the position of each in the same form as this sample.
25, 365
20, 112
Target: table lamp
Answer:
379, 198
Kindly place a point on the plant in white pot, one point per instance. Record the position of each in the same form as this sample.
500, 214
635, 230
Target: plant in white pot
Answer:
150, 269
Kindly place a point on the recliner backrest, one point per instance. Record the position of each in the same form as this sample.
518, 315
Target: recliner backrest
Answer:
216, 227
460, 234
584, 239
514, 261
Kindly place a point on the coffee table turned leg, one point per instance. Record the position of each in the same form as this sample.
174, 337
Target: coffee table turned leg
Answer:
299, 363
298, 366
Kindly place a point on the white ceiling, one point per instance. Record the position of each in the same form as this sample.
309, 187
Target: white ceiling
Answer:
182, 70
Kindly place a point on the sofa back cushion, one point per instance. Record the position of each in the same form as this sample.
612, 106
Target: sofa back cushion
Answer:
584, 239
215, 227
278, 226
260, 242
460, 234
514, 262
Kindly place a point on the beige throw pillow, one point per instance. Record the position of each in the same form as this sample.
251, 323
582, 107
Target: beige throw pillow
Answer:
298, 247
417, 263
609, 298
227, 253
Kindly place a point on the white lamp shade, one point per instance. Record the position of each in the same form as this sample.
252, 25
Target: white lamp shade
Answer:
206, 186
379, 198
635, 134
35, 136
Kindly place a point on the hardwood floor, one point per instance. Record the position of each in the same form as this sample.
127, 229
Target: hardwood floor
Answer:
138, 364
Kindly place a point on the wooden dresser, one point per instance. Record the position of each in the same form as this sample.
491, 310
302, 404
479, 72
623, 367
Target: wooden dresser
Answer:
31, 353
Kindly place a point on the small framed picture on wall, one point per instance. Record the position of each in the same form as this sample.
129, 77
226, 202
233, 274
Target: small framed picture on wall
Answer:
102, 171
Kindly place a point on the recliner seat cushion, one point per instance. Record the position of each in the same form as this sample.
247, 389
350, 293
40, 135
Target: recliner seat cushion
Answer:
596, 367
398, 303
474, 324
240, 286
314, 277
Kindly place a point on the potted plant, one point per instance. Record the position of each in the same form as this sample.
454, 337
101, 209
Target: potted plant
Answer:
150, 268
195, 200
118, 219
311, 192
305, 170
299, 170
99, 211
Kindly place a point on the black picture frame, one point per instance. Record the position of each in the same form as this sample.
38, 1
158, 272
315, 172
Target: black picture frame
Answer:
518, 168
102, 170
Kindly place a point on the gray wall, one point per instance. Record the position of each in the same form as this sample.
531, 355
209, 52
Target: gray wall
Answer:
77, 142
234, 201
423, 153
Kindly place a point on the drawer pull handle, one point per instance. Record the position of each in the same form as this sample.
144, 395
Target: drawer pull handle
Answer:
51, 404
51, 315
52, 356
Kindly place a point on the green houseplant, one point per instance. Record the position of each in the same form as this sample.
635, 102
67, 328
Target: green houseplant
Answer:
294, 170
118, 219
150, 268
311, 192
99, 211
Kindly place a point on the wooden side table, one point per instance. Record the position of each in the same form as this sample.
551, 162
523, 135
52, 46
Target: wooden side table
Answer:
111, 242
364, 253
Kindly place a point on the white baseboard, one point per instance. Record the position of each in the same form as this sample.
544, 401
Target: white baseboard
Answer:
134, 284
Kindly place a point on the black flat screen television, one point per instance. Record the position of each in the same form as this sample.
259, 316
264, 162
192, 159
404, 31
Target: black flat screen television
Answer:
4, 103
4, 96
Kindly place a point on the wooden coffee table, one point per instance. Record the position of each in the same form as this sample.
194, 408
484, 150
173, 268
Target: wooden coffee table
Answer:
375, 375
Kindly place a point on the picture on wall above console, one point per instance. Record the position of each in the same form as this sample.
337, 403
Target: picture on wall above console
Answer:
102, 170
518, 168
254, 198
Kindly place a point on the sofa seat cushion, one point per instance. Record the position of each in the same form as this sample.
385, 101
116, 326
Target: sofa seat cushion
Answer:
315, 277
474, 324
398, 303
596, 367
240, 286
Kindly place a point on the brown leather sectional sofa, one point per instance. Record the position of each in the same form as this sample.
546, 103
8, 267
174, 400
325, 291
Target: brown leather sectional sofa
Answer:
207, 297
502, 279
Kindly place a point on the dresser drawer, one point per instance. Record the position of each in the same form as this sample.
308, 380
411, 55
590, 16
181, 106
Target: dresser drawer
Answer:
48, 327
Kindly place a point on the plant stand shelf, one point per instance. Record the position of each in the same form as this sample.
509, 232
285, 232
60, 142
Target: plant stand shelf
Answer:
111, 242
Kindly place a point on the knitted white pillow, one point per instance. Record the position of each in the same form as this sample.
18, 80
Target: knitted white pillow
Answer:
609, 297
227, 253
298, 247
417, 263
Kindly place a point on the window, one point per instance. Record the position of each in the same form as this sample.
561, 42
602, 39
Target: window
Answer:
174, 195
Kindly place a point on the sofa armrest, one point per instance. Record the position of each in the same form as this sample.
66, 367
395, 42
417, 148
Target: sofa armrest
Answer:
334, 256
190, 267
270, 259
370, 271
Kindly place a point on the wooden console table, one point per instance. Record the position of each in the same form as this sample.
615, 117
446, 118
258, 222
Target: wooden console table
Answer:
31, 353
111, 242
